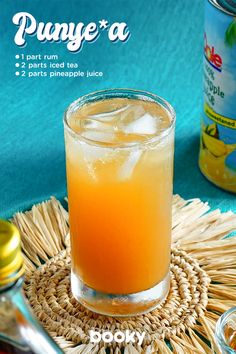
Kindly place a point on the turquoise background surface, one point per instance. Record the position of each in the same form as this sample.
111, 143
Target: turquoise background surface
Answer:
162, 55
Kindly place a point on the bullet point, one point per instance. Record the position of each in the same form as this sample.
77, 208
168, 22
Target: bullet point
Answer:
17, 65
17, 56
17, 73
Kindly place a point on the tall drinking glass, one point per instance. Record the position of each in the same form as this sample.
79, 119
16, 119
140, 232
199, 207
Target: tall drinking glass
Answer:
119, 161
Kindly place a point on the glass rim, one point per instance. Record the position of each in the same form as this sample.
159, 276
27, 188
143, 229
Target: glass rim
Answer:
120, 93
219, 332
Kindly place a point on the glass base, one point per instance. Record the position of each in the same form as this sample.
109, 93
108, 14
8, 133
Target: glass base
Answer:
119, 305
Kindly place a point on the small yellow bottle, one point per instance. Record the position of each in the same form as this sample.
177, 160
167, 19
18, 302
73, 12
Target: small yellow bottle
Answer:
18, 326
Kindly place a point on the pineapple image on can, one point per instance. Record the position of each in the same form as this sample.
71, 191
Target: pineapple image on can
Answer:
217, 158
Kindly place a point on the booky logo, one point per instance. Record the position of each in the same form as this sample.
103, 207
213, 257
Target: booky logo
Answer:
118, 337
213, 59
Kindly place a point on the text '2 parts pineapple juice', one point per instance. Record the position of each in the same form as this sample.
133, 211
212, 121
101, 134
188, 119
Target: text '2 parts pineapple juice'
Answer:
217, 158
119, 157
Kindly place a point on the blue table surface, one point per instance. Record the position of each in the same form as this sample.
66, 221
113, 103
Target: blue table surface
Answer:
162, 55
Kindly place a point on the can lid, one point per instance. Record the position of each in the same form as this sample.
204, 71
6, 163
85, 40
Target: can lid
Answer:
228, 5
11, 260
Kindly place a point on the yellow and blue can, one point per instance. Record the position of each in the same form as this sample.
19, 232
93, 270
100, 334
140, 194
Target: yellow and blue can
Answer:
217, 158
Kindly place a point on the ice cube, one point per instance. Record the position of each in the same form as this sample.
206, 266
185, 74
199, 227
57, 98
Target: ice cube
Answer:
99, 136
107, 116
127, 168
91, 152
91, 124
146, 124
130, 114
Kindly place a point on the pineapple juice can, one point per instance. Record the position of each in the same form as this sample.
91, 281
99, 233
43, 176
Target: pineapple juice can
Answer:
217, 158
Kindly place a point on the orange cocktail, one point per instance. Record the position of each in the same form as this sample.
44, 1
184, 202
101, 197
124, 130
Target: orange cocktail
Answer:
119, 156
